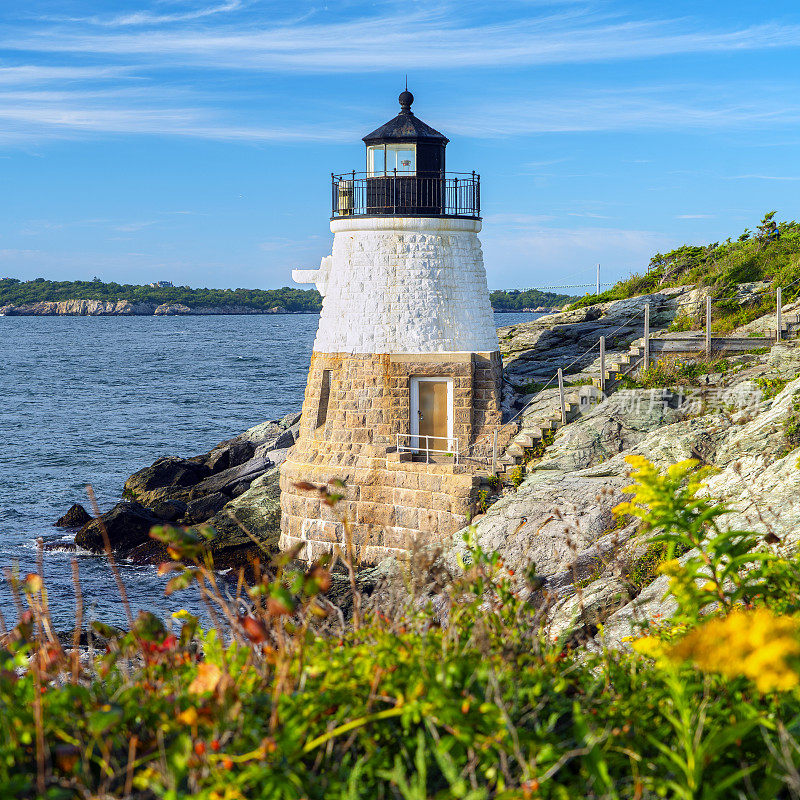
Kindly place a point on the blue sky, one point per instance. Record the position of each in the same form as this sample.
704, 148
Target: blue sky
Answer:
193, 141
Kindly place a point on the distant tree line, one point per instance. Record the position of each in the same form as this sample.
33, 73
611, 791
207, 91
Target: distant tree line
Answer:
16, 292
516, 299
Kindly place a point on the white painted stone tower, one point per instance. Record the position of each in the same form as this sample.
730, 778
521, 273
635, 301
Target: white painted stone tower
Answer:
405, 372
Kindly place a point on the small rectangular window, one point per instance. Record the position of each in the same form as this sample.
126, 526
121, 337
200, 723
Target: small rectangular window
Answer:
324, 396
388, 159
376, 162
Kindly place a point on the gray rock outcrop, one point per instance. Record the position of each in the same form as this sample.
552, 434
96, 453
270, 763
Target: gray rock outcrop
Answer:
233, 488
561, 516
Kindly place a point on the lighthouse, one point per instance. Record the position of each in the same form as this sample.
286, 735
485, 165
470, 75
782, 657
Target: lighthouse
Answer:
405, 372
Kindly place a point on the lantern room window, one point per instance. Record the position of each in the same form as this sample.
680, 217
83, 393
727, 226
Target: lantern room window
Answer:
384, 159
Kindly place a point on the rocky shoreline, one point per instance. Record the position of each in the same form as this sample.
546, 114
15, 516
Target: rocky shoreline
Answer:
743, 419
233, 488
127, 308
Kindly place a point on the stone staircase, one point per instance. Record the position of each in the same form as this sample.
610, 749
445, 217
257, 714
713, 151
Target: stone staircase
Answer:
518, 445
622, 365
536, 431
790, 325
626, 363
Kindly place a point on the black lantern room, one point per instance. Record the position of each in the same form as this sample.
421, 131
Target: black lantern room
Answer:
405, 174
406, 145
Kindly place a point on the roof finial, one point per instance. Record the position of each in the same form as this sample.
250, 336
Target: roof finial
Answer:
406, 99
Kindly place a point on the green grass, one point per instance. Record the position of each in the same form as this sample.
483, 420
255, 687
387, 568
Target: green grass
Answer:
666, 373
772, 255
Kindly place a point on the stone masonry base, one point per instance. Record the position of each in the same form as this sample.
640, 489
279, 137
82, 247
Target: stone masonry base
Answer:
354, 407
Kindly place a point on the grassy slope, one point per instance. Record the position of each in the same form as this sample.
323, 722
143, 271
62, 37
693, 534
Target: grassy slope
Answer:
772, 254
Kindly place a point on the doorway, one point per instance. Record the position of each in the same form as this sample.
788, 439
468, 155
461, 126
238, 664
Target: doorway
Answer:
432, 415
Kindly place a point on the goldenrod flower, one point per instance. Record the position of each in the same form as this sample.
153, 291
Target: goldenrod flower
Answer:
649, 646
757, 644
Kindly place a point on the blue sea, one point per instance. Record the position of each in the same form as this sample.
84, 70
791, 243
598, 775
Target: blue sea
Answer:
89, 400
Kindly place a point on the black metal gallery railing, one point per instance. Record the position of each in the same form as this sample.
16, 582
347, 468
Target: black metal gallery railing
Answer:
419, 194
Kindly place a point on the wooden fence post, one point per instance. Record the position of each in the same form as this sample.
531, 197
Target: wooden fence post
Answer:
708, 327
561, 396
603, 364
778, 314
646, 361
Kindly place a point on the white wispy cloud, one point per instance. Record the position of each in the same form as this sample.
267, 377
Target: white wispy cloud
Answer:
685, 107
151, 18
126, 73
763, 177
427, 37
63, 110
61, 113
36, 74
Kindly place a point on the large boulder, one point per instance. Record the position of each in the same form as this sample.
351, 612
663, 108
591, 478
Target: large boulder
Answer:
618, 423
127, 524
549, 520
229, 454
169, 510
228, 480
167, 478
76, 517
203, 508
258, 510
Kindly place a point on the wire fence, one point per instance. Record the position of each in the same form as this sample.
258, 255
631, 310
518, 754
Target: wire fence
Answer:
484, 449
488, 440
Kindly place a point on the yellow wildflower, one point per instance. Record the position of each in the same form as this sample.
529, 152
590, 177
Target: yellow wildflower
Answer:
656, 495
757, 644
649, 646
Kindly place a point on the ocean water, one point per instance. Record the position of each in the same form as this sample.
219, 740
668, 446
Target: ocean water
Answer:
89, 400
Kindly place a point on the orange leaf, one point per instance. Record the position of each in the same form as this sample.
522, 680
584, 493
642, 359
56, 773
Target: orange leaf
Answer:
208, 676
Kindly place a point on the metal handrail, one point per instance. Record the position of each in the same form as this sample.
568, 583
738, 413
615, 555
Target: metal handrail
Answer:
410, 448
414, 194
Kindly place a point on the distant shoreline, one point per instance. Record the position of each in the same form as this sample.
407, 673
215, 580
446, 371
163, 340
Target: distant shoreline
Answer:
126, 308
99, 308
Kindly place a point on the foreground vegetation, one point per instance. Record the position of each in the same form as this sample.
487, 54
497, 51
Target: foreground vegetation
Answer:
771, 253
471, 700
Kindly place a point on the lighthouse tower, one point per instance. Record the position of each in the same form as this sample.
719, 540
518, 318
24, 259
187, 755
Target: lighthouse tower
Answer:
405, 371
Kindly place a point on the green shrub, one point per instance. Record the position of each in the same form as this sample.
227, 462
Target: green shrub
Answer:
683, 322
494, 482
475, 699
770, 387
517, 476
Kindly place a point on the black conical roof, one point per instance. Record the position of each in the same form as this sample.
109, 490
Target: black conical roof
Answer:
405, 127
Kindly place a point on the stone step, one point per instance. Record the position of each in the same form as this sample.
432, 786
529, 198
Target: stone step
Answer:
525, 439
515, 450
